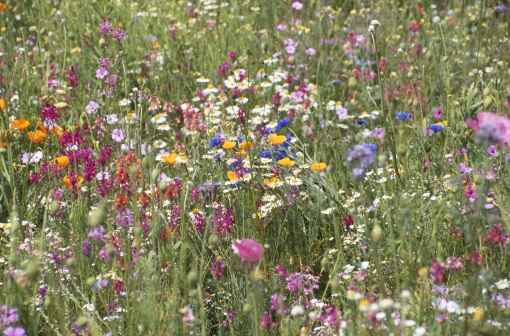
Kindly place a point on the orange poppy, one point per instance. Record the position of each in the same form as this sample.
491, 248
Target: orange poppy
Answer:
286, 162
20, 124
61, 161
319, 166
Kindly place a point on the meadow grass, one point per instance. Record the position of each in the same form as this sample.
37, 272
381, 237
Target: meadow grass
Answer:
254, 167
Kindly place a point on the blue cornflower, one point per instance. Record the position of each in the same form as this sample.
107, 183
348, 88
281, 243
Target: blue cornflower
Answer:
280, 155
216, 140
269, 130
265, 154
370, 146
361, 122
403, 115
436, 127
282, 123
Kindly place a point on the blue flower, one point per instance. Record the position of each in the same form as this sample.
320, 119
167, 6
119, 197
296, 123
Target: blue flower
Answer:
436, 127
403, 116
216, 140
265, 154
269, 130
370, 146
361, 122
282, 123
280, 155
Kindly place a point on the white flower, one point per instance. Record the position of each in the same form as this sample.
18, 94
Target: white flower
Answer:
328, 211
297, 310
375, 23
111, 119
503, 284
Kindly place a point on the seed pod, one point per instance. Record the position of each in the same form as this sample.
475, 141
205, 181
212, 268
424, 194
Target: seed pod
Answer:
61, 92
376, 234
96, 217
352, 83
487, 102
101, 42
54, 207
429, 55
192, 278
61, 105
147, 161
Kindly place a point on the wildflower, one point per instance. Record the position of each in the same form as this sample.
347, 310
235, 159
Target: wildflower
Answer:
2, 104
403, 116
378, 132
297, 5
276, 140
118, 135
92, 107
20, 124
38, 135
14, 331
362, 158
61, 161
318, 166
232, 176
438, 113
245, 145
248, 249
216, 140
101, 73
69, 183
29, 158
492, 150
286, 162
72, 77
491, 128
229, 145
436, 127
310, 51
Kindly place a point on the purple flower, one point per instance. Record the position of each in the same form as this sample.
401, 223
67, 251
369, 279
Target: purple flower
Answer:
118, 135
92, 106
297, 5
379, 132
310, 51
341, 112
97, 233
248, 249
8, 316
101, 73
465, 169
492, 150
29, 158
14, 331
290, 49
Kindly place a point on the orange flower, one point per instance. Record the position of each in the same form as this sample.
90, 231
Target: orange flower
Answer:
173, 158
274, 180
229, 145
232, 176
20, 124
276, 140
58, 132
61, 161
286, 162
2, 104
319, 166
246, 145
67, 181
37, 136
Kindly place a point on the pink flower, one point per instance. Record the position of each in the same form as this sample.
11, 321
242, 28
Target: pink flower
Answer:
248, 249
297, 5
491, 127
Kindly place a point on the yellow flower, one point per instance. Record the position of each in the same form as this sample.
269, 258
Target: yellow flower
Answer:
67, 181
286, 162
422, 272
232, 176
246, 145
61, 161
276, 140
319, 166
20, 124
478, 314
229, 145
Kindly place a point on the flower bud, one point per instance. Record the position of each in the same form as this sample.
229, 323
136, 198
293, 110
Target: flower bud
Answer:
61, 105
101, 42
376, 234
487, 102
192, 278
96, 217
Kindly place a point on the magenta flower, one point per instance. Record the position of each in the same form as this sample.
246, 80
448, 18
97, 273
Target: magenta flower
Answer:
491, 128
248, 249
92, 107
438, 113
